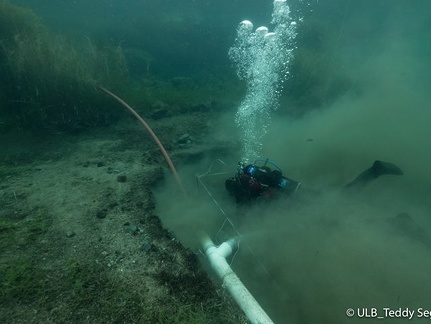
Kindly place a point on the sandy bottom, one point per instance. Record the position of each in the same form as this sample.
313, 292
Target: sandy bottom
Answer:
80, 240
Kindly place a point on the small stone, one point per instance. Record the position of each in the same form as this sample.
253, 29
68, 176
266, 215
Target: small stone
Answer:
121, 178
184, 138
133, 229
102, 213
159, 113
185, 141
146, 247
70, 233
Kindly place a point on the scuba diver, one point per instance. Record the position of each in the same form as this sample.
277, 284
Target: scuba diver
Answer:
252, 182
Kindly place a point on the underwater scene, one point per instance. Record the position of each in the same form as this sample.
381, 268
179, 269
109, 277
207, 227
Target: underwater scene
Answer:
201, 161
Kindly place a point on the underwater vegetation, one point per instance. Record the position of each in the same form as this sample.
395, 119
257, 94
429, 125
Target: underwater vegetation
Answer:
37, 283
80, 290
49, 81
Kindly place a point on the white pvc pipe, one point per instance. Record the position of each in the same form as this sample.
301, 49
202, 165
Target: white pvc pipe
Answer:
249, 305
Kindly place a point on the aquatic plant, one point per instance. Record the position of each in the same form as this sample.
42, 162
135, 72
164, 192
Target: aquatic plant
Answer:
50, 80
137, 57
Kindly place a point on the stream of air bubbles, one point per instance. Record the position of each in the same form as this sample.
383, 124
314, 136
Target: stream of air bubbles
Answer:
262, 59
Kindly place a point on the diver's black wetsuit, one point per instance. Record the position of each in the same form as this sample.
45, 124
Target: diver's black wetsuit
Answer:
252, 182
377, 169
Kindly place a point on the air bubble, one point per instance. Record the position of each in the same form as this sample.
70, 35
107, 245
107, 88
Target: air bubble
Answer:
262, 59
